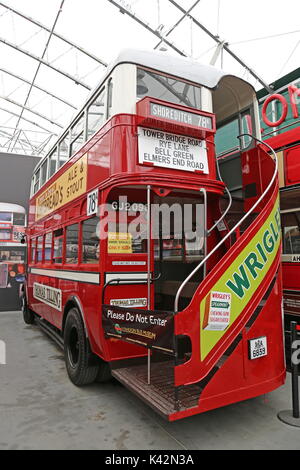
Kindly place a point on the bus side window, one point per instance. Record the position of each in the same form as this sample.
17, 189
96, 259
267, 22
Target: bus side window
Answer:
48, 246
72, 244
226, 137
90, 241
39, 249
95, 115
63, 151
77, 135
18, 219
291, 233
44, 172
109, 98
58, 246
36, 181
52, 162
33, 250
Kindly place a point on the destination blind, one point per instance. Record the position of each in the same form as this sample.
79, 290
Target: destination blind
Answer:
174, 151
185, 117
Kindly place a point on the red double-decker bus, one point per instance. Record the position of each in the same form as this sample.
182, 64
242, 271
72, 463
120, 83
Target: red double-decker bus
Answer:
281, 129
141, 263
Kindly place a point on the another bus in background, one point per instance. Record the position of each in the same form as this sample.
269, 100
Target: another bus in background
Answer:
12, 254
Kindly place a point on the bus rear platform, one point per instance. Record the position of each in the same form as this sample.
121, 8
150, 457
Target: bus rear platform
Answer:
160, 392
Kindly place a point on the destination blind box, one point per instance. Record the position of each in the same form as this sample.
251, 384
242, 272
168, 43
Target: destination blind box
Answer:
179, 119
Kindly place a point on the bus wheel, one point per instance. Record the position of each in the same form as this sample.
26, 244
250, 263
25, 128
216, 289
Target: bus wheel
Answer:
104, 373
77, 351
28, 315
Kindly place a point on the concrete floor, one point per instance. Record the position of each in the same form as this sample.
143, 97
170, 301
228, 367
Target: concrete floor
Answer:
41, 409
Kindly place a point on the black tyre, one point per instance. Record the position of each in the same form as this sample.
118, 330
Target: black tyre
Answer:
28, 315
104, 373
77, 351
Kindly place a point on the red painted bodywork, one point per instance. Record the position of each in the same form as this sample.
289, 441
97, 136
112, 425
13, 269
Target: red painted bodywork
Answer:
113, 163
289, 143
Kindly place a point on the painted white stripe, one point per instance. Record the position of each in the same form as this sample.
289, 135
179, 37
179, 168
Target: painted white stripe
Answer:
142, 277
291, 258
91, 278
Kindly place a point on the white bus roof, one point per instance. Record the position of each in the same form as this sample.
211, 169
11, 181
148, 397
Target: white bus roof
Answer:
178, 66
7, 207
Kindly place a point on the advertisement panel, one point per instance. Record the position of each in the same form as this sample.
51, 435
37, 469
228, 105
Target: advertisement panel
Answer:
148, 328
236, 287
71, 184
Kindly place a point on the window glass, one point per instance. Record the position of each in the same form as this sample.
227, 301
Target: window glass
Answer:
247, 128
53, 162
39, 249
5, 216
72, 244
90, 241
291, 233
37, 181
109, 98
5, 234
58, 246
48, 246
63, 151
12, 254
33, 249
77, 135
167, 89
132, 239
96, 113
226, 137
18, 219
174, 241
44, 172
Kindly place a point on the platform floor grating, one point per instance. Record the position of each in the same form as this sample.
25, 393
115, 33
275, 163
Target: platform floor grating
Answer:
160, 394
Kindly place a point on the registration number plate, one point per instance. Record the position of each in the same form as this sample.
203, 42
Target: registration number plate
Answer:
258, 347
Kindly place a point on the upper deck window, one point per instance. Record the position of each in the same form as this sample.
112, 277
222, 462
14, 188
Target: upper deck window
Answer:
37, 181
18, 219
109, 98
63, 151
44, 170
227, 140
52, 162
77, 135
5, 234
96, 113
5, 216
167, 89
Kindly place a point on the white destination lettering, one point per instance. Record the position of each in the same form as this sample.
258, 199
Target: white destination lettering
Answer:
172, 151
180, 116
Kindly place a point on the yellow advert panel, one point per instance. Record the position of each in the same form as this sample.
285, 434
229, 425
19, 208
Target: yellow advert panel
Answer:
71, 184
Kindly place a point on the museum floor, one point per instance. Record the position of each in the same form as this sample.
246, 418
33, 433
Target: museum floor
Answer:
41, 409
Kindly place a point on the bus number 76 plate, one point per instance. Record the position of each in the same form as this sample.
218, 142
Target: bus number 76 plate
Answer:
258, 347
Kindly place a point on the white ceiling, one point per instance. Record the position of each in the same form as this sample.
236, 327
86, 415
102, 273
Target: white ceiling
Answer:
56, 73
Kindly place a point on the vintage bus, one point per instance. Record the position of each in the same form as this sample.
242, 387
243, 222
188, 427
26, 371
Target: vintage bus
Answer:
12, 254
141, 263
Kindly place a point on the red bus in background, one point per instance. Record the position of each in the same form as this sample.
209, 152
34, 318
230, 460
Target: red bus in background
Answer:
12, 254
138, 265
281, 129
